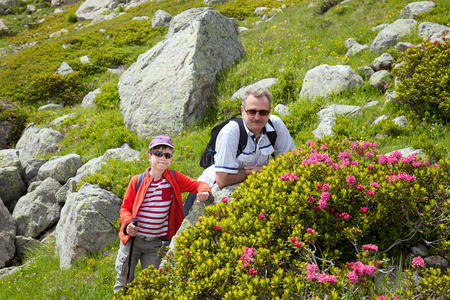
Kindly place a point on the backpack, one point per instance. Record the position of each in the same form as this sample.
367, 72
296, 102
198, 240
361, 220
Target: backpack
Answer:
207, 158
142, 176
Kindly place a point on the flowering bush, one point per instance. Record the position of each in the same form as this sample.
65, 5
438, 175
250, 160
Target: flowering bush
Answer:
322, 233
424, 79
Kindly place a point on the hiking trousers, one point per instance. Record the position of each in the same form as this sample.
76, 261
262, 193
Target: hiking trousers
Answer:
147, 252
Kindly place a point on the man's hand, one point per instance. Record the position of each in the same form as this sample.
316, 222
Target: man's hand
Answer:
202, 196
250, 169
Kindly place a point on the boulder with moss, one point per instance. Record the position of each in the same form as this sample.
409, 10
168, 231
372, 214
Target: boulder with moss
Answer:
413, 9
7, 235
391, 35
12, 186
60, 168
169, 86
37, 141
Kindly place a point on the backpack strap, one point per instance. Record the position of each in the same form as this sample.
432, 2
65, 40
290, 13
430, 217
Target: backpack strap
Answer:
142, 176
243, 136
272, 135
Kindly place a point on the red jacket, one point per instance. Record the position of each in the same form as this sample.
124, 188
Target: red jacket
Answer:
132, 200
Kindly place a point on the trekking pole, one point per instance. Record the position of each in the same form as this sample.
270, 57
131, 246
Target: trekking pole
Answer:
135, 222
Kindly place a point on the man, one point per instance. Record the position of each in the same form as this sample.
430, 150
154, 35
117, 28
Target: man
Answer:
229, 169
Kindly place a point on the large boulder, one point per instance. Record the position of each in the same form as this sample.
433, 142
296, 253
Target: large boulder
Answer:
353, 47
36, 141
85, 223
263, 83
12, 186
380, 79
324, 80
60, 168
6, 4
31, 169
433, 31
383, 62
415, 8
38, 210
168, 87
390, 36
7, 235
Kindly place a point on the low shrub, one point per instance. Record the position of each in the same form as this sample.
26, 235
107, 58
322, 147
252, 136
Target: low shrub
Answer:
316, 222
136, 33
13, 118
325, 5
424, 77
241, 9
109, 96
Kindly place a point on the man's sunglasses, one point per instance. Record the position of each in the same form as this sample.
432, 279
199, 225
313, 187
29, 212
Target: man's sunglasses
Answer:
252, 112
161, 154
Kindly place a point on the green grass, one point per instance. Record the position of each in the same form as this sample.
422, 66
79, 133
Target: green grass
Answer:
295, 41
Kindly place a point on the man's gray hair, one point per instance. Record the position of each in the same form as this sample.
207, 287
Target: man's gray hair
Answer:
258, 92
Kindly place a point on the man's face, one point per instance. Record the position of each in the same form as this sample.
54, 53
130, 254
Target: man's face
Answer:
256, 121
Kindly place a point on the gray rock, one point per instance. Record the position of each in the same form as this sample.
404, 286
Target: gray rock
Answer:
390, 96
118, 70
379, 119
324, 80
325, 128
50, 107
31, 169
24, 244
10, 158
420, 250
379, 27
403, 46
33, 185
31, 8
37, 141
214, 2
401, 121
69, 187
94, 8
64, 69
365, 72
58, 33
415, 8
5, 5
85, 223
169, 86
242, 29
58, 121
85, 59
370, 104
56, 3
353, 47
328, 115
7, 235
383, 62
433, 31
123, 154
380, 79
37, 211
161, 18
410, 151
263, 83
198, 210
260, 10
389, 36
89, 99
141, 18
436, 261
60, 168
282, 110
12, 186
3, 29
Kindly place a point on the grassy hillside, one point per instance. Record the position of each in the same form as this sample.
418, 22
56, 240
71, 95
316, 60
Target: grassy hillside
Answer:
292, 43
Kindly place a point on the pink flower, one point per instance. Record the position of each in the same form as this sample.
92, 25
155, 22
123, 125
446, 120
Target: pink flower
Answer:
298, 244
355, 163
418, 262
325, 187
261, 216
310, 143
364, 210
311, 268
381, 297
322, 204
325, 196
345, 215
352, 277
332, 278
323, 147
224, 200
318, 186
371, 192
293, 240
187, 252
359, 187
379, 263
435, 166
351, 180
375, 184
370, 270
252, 271
382, 159
311, 199
370, 247
368, 154
370, 167
217, 227
310, 230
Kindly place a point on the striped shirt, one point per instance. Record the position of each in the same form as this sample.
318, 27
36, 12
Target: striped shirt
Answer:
153, 214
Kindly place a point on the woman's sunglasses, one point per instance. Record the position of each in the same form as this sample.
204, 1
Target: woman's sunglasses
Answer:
161, 154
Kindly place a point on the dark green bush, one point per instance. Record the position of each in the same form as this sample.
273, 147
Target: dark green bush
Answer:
15, 115
325, 5
71, 18
136, 33
241, 9
67, 89
282, 218
424, 79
